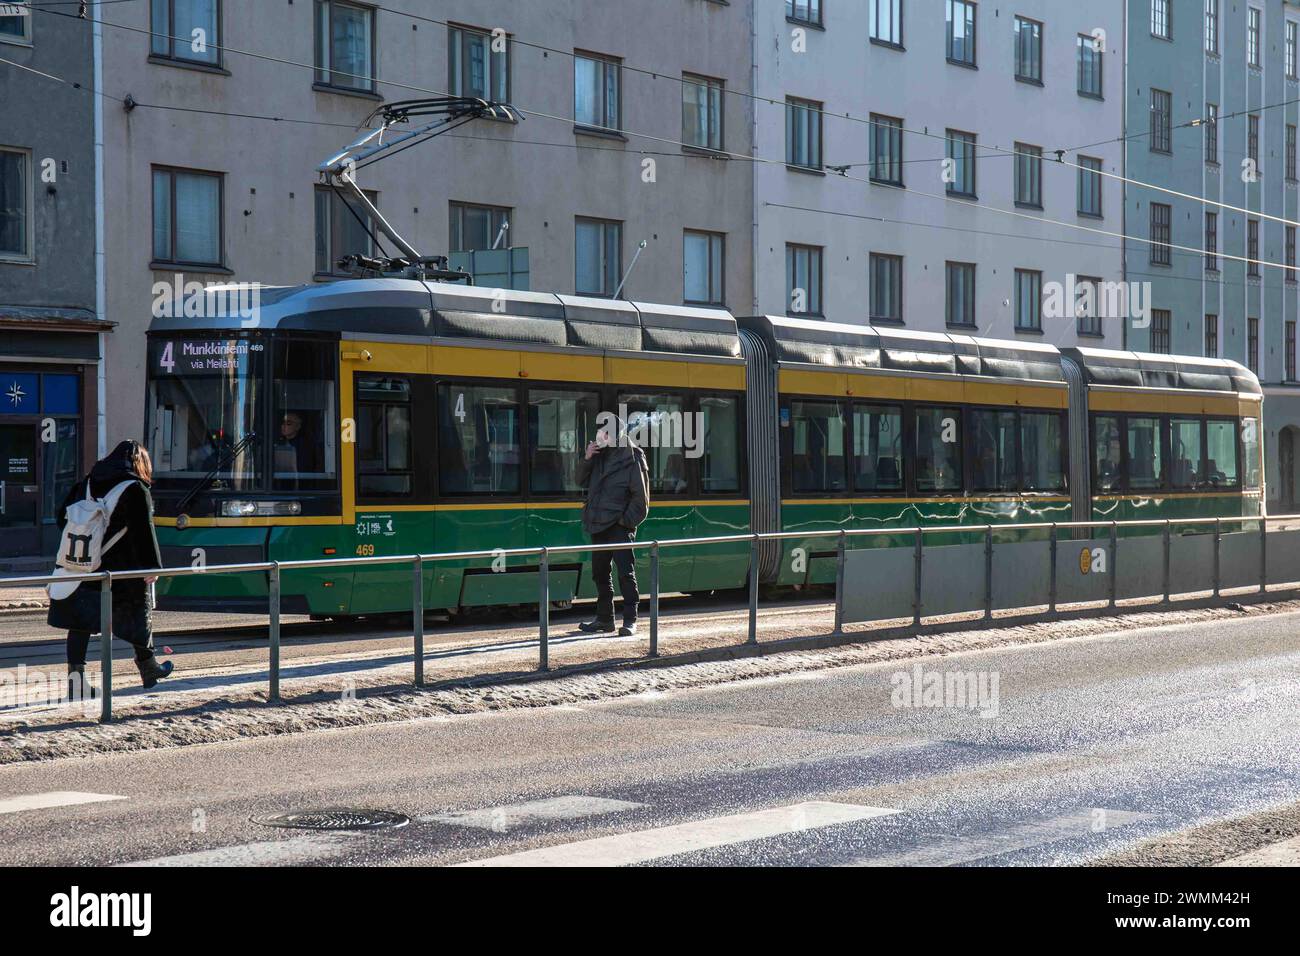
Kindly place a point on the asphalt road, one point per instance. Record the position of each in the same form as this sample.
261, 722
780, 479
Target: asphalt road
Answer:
1088, 746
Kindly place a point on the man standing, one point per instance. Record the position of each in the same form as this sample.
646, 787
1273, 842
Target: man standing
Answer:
617, 480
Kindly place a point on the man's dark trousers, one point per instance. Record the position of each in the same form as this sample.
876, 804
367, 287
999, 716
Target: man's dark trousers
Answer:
600, 573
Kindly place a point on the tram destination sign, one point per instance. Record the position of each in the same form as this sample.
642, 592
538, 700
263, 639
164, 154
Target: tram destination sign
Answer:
203, 356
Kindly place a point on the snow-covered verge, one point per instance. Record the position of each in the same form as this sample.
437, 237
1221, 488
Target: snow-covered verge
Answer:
699, 651
1214, 843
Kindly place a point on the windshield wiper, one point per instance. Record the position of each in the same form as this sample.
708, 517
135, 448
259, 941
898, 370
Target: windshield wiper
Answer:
222, 462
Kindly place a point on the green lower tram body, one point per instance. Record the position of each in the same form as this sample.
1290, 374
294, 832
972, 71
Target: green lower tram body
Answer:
360, 590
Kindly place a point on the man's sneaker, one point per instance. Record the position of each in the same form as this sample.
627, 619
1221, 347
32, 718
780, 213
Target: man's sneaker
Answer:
596, 627
628, 630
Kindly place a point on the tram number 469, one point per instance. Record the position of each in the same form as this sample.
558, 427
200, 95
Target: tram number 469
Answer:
365, 550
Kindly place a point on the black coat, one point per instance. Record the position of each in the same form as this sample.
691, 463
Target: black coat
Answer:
136, 551
618, 488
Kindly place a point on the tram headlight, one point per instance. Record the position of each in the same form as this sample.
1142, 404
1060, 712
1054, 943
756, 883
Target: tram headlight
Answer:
261, 509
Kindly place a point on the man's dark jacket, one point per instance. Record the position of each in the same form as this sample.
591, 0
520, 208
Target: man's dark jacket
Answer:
618, 488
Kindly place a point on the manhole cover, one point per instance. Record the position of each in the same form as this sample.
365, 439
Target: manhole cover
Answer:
335, 818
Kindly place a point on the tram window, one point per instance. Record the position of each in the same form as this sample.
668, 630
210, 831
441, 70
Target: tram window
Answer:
657, 424
938, 449
1106, 453
718, 447
994, 434
304, 450
1221, 454
560, 423
1250, 451
1185, 453
817, 454
878, 447
1042, 452
478, 440
383, 437
1145, 461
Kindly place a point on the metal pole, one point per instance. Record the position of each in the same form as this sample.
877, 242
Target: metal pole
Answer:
544, 612
1263, 555
1218, 538
988, 573
1168, 538
839, 584
417, 618
753, 590
274, 600
916, 583
105, 648
1052, 548
1114, 559
654, 599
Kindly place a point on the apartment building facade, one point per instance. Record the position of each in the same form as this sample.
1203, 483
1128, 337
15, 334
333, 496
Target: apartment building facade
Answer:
1212, 103
909, 174
50, 333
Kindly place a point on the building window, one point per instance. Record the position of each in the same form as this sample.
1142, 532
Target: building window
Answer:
886, 288
1160, 331
1212, 241
1029, 50
343, 228
598, 256
961, 32
803, 133
959, 308
345, 45
1252, 138
1211, 336
961, 154
475, 68
1161, 121
1291, 68
1029, 300
1211, 133
702, 112
1029, 176
804, 11
1160, 26
703, 255
1087, 307
1088, 54
1252, 247
886, 150
1290, 350
1252, 37
597, 92
475, 227
186, 217
1290, 152
1212, 26
1252, 344
803, 279
1089, 188
15, 204
1290, 253
16, 29
186, 30
886, 21
1161, 218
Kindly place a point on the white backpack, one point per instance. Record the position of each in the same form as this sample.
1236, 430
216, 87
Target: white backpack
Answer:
82, 544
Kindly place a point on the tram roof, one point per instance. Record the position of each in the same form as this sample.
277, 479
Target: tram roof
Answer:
432, 309
1152, 370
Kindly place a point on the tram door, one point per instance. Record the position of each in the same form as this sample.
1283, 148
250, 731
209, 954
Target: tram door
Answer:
20, 490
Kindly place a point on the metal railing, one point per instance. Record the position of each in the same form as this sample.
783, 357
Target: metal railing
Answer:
274, 569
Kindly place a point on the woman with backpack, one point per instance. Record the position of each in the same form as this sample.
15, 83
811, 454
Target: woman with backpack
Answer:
120, 481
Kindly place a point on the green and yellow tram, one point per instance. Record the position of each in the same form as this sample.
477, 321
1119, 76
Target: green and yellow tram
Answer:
390, 416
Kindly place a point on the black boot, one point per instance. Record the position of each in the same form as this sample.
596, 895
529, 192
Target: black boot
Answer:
78, 689
597, 627
152, 671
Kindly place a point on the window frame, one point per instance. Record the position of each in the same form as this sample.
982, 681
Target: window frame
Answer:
214, 44
966, 163
1212, 133
25, 158
721, 237
971, 271
1090, 173
886, 130
813, 144
894, 264
422, 392
710, 84
1161, 133
792, 12
327, 69
1162, 20
455, 83
458, 207
606, 64
1161, 224
171, 171
1211, 335
970, 18
1211, 241
1037, 280
1037, 45
1162, 324
793, 248
604, 246
896, 8
336, 197
1211, 38
1254, 31
26, 40
1089, 63
1028, 162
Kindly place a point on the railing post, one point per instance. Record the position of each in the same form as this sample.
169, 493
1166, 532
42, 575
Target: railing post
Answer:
544, 612
1263, 555
654, 598
753, 590
839, 583
916, 573
1051, 587
988, 573
274, 602
1218, 540
1114, 560
1168, 545
105, 648
417, 618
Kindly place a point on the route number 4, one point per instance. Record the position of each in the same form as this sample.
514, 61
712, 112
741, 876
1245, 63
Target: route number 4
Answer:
460, 406
167, 361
